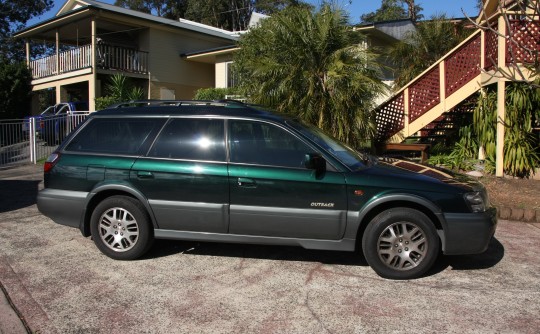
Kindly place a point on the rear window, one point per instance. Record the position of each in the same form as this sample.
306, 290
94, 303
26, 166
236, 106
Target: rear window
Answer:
114, 136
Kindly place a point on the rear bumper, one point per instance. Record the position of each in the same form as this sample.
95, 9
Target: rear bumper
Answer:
62, 206
469, 233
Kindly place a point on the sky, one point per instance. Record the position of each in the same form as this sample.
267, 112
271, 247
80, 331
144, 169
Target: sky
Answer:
356, 8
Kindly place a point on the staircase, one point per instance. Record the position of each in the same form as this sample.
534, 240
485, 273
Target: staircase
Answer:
427, 102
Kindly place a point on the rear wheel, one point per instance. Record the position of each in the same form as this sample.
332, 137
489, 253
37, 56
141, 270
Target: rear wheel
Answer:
121, 228
400, 243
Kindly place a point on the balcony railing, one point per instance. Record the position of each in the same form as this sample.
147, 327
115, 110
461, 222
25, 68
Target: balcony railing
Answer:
107, 57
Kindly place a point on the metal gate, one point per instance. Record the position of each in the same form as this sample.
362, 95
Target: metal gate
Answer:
34, 138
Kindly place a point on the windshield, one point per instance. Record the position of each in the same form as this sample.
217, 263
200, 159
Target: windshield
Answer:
349, 157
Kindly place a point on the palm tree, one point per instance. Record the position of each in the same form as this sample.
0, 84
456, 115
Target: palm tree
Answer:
430, 41
312, 65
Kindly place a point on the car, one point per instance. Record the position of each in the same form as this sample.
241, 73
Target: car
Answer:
231, 172
54, 122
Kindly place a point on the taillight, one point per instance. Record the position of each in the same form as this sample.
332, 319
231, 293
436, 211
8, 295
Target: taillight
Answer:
50, 162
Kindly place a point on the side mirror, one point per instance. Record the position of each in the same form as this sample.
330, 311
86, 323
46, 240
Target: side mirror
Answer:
316, 162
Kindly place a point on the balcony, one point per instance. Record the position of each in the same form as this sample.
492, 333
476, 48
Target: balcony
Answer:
108, 57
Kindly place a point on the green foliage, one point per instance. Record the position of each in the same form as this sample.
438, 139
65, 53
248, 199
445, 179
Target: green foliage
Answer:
15, 89
393, 10
520, 157
232, 15
312, 65
427, 44
442, 160
104, 102
214, 93
520, 143
119, 89
13, 17
485, 122
465, 150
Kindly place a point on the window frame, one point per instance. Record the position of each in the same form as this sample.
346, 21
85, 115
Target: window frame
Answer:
143, 148
314, 148
172, 119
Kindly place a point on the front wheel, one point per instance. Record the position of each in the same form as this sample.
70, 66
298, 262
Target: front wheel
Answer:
400, 243
121, 228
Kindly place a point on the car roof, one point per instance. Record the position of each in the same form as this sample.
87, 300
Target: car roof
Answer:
222, 108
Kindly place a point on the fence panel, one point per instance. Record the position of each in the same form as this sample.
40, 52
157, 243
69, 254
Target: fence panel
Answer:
34, 139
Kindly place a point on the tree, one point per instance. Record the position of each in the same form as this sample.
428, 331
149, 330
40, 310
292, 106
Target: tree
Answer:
231, 15
234, 15
14, 89
394, 10
522, 23
13, 17
312, 65
424, 46
173, 9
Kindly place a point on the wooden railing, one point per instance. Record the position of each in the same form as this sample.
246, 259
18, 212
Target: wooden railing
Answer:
107, 57
436, 89
122, 59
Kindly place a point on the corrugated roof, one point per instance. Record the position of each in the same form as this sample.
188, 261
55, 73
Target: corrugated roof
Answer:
181, 24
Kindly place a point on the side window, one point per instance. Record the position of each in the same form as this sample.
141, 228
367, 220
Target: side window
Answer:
113, 135
191, 139
265, 144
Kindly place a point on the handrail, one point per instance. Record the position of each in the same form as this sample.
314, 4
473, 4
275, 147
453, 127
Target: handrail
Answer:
443, 58
107, 57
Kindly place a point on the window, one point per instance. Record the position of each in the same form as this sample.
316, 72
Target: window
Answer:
266, 144
114, 136
191, 139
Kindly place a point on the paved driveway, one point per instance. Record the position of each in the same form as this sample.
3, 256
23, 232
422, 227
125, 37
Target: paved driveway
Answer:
60, 283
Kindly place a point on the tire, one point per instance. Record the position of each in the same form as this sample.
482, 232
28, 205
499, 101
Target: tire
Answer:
121, 229
400, 243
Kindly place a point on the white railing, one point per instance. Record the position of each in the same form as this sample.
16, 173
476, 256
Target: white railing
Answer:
35, 138
75, 59
108, 57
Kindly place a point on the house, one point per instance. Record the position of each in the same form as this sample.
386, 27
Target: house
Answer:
380, 37
94, 40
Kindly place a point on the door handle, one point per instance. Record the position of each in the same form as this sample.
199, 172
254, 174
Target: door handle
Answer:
145, 175
245, 182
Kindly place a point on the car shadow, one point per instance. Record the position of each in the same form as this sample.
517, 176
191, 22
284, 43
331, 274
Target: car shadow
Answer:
490, 258
17, 194
162, 248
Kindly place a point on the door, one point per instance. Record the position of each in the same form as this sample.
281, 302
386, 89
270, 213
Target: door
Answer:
184, 176
273, 193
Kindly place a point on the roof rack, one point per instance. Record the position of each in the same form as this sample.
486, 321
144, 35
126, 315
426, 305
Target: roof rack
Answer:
169, 103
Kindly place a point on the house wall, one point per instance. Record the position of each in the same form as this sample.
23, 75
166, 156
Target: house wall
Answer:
168, 69
221, 71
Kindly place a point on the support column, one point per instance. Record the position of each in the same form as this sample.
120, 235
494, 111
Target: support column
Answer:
442, 84
27, 53
501, 99
406, 132
57, 52
501, 112
93, 80
58, 92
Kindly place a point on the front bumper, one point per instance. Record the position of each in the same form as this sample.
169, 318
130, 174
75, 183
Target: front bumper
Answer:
468, 233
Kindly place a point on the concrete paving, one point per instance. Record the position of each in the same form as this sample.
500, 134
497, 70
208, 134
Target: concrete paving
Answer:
60, 283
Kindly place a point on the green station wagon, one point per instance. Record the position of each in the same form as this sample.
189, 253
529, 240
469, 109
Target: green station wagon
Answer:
230, 172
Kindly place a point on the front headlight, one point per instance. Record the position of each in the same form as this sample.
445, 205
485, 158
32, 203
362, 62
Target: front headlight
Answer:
476, 201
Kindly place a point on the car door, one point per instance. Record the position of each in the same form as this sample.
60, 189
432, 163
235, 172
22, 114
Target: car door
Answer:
184, 176
272, 193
